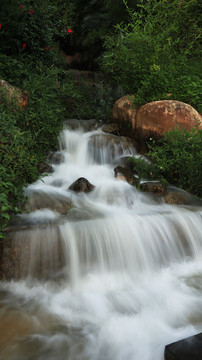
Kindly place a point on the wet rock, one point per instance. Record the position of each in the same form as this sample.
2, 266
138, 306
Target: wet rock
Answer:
109, 139
179, 197
186, 349
54, 201
125, 173
112, 129
82, 185
13, 94
124, 111
56, 158
153, 187
105, 148
127, 161
76, 214
44, 167
86, 125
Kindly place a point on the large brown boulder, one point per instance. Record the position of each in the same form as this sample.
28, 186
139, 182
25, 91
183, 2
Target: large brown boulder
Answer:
158, 117
155, 118
13, 94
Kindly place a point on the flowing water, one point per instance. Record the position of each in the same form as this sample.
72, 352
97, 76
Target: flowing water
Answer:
131, 275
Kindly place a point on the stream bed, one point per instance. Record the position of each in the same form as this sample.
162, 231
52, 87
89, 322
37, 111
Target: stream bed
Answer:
120, 270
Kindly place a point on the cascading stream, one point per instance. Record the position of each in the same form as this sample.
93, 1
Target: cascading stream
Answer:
120, 271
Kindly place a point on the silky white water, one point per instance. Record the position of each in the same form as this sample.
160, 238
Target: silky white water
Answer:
132, 276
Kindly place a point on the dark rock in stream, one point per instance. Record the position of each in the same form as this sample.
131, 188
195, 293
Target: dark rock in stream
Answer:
82, 185
106, 148
155, 187
124, 173
44, 167
178, 196
186, 349
54, 201
56, 158
112, 129
86, 125
170, 194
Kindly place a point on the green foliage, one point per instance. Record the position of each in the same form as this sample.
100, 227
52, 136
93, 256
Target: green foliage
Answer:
177, 157
30, 29
146, 170
87, 100
154, 56
26, 135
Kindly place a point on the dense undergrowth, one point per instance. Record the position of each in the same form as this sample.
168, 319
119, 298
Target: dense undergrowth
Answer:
157, 54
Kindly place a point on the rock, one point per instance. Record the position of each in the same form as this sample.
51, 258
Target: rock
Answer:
127, 161
156, 118
124, 111
112, 129
154, 187
13, 94
110, 140
44, 168
39, 199
179, 197
186, 349
125, 173
106, 148
56, 158
86, 125
82, 185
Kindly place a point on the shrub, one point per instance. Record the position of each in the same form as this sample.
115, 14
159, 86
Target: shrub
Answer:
87, 100
178, 158
154, 55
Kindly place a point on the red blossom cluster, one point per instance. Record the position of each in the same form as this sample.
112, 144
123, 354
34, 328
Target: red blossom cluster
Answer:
25, 44
30, 11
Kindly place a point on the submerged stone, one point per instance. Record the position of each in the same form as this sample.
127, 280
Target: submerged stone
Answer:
56, 157
186, 349
124, 173
155, 187
178, 196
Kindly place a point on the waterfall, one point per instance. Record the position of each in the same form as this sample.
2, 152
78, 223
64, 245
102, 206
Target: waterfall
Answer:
113, 274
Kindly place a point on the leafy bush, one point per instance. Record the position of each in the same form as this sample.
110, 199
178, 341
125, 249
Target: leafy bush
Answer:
154, 56
27, 135
178, 158
31, 29
18, 164
87, 100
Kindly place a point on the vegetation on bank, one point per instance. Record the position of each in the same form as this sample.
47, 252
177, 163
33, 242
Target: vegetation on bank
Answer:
157, 54
150, 48
175, 159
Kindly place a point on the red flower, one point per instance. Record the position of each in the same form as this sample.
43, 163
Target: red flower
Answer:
24, 45
47, 48
53, 48
31, 11
69, 31
20, 6
0, 26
